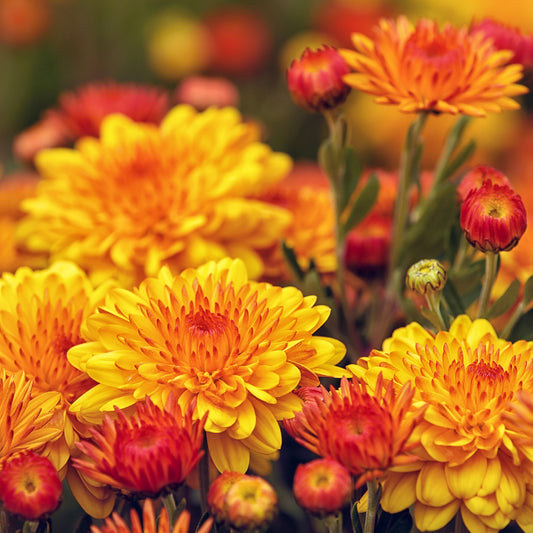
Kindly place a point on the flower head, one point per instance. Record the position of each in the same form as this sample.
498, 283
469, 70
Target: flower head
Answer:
470, 456
202, 92
425, 68
365, 433
475, 177
216, 496
116, 524
316, 79
493, 218
322, 486
152, 451
142, 196
30, 486
426, 275
237, 348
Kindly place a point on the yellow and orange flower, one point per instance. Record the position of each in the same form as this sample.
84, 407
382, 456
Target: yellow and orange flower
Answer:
41, 313
24, 419
364, 433
142, 196
425, 68
471, 458
150, 452
116, 524
237, 348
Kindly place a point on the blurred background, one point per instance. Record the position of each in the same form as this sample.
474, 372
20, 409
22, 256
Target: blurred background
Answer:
49, 47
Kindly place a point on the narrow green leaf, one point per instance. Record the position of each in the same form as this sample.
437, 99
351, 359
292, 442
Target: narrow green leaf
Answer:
328, 160
292, 261
505, 301
528, 290
461, 158
352, 175
362, 205
451, 295
356, 521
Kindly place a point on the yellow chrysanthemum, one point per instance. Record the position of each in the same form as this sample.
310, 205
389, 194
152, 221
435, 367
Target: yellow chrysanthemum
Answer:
24, 421
236, 348
41, 313
144, 195
424, 68
472, 459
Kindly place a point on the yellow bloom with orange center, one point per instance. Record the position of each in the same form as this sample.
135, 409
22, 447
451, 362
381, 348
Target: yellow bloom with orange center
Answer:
424, 68
470, 456
41, 313
237, 348
144, 195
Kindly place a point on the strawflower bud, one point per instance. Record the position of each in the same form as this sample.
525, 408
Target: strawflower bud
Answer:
251, 504
216, 495
493, 218
30, 486
427, 275
315, 80
322, 486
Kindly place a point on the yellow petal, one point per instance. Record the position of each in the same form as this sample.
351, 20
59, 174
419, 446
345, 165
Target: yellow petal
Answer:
399, 491
227, 453
429, 518
95, 501
491, 481
474, 524
464, 481
431, 486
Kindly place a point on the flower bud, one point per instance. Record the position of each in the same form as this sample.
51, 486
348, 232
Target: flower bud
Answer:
315, 80
322, 486
475, 177
216, 495
30, 486
493, 218
427, 275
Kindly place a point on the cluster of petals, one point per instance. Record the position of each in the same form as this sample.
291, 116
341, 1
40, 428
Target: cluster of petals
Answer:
472, 458
366, 433
424, 68
141, 195
237, 348
152, 451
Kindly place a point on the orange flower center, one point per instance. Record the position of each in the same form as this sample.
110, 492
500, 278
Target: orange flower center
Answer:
433, 50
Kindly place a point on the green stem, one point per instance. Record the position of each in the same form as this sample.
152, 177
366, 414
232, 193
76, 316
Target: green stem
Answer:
170, 506
491, 263
520, 308
433, 300
333, 523
372, 508
203, 473
407, 171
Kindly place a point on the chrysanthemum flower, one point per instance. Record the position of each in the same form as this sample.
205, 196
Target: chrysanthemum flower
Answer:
470, 457
423, 68
116, 524
493, 218
30, 486
143, 196
147, 453
41, 313
24, 419
237, 348
322, 486
366, 433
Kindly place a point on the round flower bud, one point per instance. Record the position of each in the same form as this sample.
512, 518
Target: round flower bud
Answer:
426, 276
216, 496
316, 79
30, 486
251, 504
493, 218
475, 177
323, 486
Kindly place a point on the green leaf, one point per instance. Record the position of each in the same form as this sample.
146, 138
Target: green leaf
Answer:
528, 290
351, 176
505, 301
453, 166
362, 205
328, 159
453, 299
292, 261
356, 521
523, 329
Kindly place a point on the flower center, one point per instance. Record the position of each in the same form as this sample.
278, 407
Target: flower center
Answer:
486, 372
203, 323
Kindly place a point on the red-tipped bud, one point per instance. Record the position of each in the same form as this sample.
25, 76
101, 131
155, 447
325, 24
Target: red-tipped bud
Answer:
216, 495
315, 80
475, 177
493, 218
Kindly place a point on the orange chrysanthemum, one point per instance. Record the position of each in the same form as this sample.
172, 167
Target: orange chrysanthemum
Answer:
24, 419
366, 434
423, 68
152, 451
471, 458
237, 348
41, 314
142, 196
116, 524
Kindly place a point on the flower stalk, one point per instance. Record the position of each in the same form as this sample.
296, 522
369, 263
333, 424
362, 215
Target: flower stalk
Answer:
491, 267
373, 504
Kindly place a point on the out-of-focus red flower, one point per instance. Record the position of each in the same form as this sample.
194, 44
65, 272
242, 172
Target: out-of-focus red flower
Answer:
30, 486
507, 37
493, 218
23, 22
315, 80
475, 177
202, 92
241, 40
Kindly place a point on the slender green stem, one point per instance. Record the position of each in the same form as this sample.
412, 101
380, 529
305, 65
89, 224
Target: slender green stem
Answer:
203, 472
491, 263
518, 312
170, 506
433, 300
333, 523
372, 508
407, 169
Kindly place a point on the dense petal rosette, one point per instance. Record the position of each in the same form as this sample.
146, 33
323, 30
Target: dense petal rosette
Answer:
237, 348
470, 454
425, 68
142, 196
